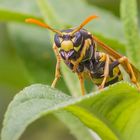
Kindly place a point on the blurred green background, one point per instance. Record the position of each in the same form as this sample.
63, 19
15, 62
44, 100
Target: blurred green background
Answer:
26, 57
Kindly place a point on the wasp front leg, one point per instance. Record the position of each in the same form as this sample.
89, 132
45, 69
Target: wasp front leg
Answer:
57, 69
81, 79
106, 71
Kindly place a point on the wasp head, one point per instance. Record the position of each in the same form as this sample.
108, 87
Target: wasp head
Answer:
68, 41
68, 44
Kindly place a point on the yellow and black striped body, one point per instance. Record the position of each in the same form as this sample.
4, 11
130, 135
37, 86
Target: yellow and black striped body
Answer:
92, 62
80, 51
77, 48
115, 74
95, 68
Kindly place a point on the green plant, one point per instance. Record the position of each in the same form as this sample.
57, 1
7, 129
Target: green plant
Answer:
112, 113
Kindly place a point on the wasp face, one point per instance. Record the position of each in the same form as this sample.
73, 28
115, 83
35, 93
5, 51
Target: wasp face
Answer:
69, 45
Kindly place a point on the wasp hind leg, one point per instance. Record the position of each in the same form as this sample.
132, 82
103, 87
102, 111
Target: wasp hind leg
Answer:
57, 69
81, 79
130, 71
106, 72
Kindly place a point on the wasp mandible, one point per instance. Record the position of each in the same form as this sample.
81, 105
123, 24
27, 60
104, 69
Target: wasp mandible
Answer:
78, 49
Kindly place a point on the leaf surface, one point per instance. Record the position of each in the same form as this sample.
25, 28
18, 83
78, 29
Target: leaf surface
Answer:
113, 113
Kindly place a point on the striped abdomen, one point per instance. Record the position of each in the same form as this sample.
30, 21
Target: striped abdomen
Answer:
114, 76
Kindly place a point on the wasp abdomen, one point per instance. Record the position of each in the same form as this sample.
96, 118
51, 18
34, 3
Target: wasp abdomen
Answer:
97, 73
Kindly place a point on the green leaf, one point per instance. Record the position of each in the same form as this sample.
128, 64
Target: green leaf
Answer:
69, 18
129, 17
24, 6
52, 99
18, 11
8, 16
92, 122
113, 113
76, 127
11, 66
36, 52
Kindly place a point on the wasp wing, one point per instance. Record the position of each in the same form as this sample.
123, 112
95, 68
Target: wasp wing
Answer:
107, 49
116, 55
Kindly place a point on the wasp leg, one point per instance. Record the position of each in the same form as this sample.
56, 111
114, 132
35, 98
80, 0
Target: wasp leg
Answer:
106, 72
57, 69
130, 71
81, 78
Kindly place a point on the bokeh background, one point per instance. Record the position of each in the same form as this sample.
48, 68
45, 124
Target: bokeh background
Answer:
26, 57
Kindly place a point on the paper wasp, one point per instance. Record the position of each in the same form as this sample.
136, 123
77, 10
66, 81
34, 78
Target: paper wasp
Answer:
78, 49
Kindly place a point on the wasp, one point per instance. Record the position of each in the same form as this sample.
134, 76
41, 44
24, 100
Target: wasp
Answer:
78, 48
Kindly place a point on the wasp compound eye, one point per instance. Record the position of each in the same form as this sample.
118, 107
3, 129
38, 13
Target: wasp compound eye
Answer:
77, 40
57, 41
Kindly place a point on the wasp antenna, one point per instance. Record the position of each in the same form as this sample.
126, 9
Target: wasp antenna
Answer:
86, 21
35, 21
